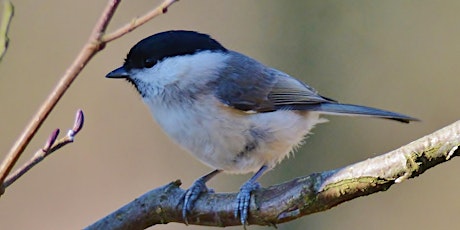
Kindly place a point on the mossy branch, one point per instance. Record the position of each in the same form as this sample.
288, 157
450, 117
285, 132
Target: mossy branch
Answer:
296, 198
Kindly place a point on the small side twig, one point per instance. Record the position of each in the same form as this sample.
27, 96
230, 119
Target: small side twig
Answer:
8, 12
161, 9
51, 145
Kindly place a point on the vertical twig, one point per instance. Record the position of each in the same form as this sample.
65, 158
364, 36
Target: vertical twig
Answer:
8, 12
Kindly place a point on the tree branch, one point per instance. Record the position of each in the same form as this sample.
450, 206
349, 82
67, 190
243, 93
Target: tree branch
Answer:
293, 199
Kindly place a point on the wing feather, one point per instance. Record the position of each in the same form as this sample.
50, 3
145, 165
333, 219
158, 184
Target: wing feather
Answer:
248, 85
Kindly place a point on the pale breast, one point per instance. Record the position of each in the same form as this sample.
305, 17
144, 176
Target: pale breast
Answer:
232, 140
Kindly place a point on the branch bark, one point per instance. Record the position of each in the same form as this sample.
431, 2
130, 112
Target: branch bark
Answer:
293, 199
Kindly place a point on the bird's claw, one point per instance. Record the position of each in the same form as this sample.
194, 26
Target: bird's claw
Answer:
243, 201
191, 195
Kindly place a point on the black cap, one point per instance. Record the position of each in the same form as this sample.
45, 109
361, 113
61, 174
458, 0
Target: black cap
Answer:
157, 47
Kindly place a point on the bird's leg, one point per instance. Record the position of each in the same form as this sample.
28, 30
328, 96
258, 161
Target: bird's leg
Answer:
244, 196
192, 193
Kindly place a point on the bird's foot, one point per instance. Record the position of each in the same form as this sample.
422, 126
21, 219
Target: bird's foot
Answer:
243, 200
191, 195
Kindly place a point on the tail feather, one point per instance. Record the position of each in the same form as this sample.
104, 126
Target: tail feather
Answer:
353, 110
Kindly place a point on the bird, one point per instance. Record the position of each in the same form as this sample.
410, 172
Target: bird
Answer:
230, 111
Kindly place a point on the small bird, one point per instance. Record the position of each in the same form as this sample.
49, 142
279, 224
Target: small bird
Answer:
230, 111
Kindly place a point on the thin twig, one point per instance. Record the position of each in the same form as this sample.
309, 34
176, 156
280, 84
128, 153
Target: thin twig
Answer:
51, 145
94, 45
293, 199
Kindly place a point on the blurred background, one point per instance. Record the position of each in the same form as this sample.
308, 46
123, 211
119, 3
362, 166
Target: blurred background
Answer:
396, 55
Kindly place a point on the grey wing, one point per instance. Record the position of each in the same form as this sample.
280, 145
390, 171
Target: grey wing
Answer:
248, 85
290, 93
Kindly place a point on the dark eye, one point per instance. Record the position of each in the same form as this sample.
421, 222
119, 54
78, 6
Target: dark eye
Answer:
149, 63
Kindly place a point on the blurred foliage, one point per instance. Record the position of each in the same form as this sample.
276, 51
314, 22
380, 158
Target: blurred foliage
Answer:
7, 16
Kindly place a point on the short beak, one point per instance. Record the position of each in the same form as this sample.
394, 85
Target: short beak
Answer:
118, 73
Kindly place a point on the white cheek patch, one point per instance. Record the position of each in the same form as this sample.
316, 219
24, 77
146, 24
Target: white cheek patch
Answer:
181, 70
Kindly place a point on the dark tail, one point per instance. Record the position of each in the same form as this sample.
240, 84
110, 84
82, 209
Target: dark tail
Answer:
353, 110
